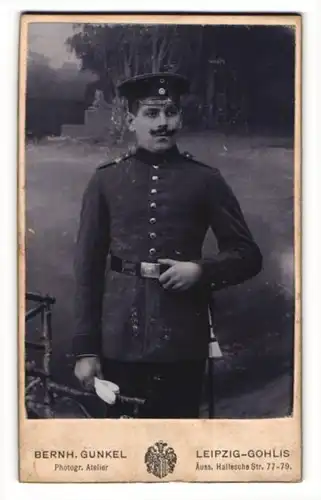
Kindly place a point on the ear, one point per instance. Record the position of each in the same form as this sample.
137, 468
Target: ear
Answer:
130, 119
180, 123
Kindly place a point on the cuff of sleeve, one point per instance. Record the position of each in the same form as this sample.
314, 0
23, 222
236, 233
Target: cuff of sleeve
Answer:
86, 345
209, 277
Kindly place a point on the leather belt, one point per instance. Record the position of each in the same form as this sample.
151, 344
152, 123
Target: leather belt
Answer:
141, 269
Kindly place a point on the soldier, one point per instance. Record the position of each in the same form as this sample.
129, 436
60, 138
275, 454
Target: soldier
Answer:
142, 314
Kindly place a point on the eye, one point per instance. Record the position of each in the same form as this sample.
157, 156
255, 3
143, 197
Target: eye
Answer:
172, 111
151, 113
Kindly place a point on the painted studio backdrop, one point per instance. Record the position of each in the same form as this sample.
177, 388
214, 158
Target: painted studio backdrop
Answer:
240, 110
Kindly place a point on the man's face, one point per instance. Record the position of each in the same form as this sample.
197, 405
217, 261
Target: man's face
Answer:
156, 124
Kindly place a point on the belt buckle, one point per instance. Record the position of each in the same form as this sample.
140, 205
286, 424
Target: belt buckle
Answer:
149, 270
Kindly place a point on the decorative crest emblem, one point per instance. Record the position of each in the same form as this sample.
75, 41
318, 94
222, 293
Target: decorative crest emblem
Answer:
160, 459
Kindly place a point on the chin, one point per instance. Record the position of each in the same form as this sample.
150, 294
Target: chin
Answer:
163, 145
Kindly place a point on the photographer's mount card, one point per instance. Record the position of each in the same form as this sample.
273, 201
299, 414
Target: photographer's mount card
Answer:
159, 248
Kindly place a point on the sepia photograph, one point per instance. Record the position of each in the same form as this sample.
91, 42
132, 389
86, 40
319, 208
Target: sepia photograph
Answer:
159, 214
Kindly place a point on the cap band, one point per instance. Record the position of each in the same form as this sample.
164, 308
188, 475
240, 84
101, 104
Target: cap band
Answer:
158, 85
151, 101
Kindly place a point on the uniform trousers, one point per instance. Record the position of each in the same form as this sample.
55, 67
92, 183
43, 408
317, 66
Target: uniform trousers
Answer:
170, 390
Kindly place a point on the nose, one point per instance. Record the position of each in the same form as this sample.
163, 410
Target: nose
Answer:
162, 119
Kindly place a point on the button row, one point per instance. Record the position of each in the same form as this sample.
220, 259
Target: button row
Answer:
152, 220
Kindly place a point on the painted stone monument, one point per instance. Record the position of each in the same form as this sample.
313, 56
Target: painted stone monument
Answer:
97, 121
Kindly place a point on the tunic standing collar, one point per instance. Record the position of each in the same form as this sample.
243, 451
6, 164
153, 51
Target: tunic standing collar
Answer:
157, 158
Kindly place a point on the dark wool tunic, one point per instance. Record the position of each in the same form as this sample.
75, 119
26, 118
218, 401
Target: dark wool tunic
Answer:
142, 208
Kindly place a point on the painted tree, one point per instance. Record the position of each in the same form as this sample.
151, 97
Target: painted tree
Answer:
115, 52
41, 78
227, 65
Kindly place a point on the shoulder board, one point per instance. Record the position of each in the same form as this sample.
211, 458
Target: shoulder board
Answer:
186, 154
117, 160
190, 157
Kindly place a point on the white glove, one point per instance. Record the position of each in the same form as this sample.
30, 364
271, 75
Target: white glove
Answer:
106, 390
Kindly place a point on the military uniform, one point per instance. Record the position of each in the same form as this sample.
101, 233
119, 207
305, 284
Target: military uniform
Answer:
136, 210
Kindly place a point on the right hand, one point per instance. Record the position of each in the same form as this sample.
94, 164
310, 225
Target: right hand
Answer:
86, 369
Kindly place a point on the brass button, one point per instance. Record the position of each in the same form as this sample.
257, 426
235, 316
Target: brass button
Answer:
153, 191
153, 205
152, 235
152, 251
156, 167
152, 220
155, 178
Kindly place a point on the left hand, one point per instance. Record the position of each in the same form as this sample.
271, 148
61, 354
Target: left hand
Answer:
180, 275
